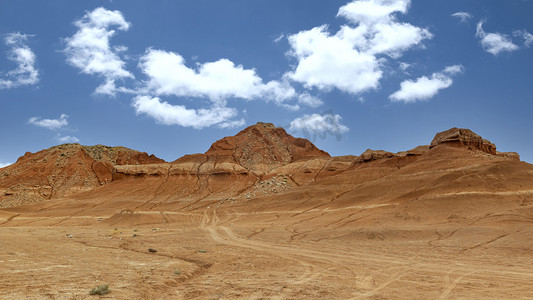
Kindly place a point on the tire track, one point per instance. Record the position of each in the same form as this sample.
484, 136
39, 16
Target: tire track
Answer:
228, 237
9, 219
450, 286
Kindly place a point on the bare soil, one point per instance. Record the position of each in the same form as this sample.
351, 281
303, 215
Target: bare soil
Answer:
244, 250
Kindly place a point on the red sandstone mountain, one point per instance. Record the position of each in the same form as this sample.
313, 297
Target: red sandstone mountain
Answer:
264, 147
64, 170
260, 160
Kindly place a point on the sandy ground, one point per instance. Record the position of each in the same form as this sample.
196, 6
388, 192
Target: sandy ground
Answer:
217, 251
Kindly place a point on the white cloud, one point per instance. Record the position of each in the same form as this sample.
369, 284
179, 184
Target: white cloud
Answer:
3, 165
25, 73
55, 124
318, 125
351, 60
67, 139
464, 17
52, 124
215, 80
168, 75
89, 49
425, 87
279, 38
309, 100
454, 70
326, 61
528, 37
231, 124
494, 43
373, 11
168, 114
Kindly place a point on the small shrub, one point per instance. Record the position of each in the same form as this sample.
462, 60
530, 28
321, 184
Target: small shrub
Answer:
177, 272
100, 290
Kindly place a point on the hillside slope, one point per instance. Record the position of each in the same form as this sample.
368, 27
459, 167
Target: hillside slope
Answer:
63, 170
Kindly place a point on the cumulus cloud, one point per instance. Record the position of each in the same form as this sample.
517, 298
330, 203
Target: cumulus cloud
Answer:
3, 165
168, 75
67, 139
464, 17
373, 11
319, 125
494, 43
326, 61
351, 60
168, 114
90, 51
425, 87
52, 124
218, 81
25, 73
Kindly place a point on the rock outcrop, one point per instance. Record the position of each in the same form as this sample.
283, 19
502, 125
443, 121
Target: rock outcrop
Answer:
63, 170
460, 137
420, 150
370, 155
262, 148
120, 155
511, 155
234, 164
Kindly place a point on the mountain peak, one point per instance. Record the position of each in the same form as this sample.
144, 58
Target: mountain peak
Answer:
462, 137
263, 147
264, 125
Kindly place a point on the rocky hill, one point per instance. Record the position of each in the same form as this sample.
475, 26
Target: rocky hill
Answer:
260, 160
263, 147
64, 170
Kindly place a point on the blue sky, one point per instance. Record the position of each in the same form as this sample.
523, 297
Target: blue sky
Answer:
171, 77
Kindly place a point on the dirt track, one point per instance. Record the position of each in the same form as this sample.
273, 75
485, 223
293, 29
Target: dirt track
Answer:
217, 252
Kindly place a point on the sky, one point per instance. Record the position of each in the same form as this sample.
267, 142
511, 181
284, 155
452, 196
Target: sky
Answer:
171, 77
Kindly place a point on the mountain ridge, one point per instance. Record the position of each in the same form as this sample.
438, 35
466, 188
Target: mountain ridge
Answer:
257, 154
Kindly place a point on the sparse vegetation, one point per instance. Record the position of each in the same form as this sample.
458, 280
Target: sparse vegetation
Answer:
100, 290
177, 272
